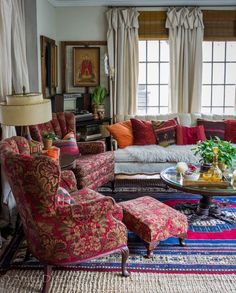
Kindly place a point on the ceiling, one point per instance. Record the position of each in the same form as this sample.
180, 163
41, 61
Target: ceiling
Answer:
144, 3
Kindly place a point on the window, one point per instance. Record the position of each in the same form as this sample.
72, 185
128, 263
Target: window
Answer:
219, 77
153, 77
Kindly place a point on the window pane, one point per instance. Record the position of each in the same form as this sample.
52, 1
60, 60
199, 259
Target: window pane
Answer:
206, 95
152, 111
152, 95
142, 95
206, 73
231, 73
142, 73
218, 51
163, 110
218, 73
142, 50
164, 74
141, 111
217, 110
152, 73
153, 51
164, 51
229, 111
231, 51
164, 95
206, 110
230, 95
217, 95
207, 51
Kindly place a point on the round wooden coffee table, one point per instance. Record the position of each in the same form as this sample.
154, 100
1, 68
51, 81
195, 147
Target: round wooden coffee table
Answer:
205, 208
68, 161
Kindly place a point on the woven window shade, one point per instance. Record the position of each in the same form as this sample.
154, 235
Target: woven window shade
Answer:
220, 25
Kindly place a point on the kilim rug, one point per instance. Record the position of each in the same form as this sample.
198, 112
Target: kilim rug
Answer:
211, 247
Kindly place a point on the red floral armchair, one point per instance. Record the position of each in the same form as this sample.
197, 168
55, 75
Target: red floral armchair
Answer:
94, 167
60, 232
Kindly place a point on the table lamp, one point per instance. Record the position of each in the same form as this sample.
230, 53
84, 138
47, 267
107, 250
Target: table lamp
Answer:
25, 109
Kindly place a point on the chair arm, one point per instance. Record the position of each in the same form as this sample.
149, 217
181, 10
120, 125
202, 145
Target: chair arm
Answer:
68, 181
96, 209
94, 147
114, 144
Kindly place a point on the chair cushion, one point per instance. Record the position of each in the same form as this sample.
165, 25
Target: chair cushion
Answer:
152, 220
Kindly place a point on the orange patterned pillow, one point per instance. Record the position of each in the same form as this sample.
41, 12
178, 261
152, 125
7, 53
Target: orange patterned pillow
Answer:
122, 133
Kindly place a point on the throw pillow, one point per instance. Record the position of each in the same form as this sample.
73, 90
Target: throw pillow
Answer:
189, 135
230, 130
68, 144
143, 132
122, 133
213, 128
63, 196
165, 131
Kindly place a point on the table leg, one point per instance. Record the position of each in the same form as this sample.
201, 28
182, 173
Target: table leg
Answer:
204, 205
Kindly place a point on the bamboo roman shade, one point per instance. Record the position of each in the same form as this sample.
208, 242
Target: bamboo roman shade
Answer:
220, 25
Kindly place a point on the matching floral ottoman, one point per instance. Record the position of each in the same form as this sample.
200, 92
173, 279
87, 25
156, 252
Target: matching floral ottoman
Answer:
153, 221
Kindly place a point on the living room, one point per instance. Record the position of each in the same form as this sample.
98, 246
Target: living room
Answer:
136, 192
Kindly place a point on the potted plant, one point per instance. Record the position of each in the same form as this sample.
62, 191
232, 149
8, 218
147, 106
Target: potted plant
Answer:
98, 96
226, 156
48, 138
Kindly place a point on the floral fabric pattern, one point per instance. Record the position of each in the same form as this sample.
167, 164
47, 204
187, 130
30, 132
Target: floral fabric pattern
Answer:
56, 233
152, 220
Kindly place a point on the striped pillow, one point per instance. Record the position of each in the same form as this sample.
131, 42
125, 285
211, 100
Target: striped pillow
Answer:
165, 131
213, 128
67, 145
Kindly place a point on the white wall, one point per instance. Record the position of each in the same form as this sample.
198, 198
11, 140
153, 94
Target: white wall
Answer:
46, 26
81, 24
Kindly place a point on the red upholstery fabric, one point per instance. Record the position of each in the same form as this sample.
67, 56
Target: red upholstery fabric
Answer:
165, 131
213, 128
189, 135
143, 132
95, 167
230, 130
59, 234
152, 220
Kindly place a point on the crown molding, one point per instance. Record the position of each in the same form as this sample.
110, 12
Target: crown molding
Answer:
71, 3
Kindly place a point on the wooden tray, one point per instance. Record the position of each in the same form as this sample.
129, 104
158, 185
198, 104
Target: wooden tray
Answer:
204, 183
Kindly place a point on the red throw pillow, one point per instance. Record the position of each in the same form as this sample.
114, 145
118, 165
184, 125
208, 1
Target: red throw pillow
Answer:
213, 128
165, 131
189, 135
68, 144
230, 130
143, 132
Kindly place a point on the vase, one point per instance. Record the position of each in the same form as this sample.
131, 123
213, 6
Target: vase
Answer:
205, 167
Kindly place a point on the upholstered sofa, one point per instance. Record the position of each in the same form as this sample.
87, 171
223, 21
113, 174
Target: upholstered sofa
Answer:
152, 159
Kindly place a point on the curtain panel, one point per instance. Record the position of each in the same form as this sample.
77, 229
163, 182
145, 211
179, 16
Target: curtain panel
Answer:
122, 41
185, 41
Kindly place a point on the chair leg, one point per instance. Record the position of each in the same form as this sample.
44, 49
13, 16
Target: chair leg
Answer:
125, 256
150, 247
182, 242
47, 278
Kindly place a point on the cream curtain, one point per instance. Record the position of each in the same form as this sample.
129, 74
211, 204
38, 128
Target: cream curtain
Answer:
122, 40
185, 39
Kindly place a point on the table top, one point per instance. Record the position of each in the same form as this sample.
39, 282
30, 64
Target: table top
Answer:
174, 180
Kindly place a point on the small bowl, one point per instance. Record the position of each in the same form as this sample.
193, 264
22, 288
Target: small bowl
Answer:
192, 176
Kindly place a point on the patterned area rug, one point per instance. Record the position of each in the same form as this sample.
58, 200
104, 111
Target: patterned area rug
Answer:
211, 247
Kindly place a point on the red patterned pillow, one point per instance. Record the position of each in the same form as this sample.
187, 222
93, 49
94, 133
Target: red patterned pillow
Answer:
189, 135
165, 131
230, 130
63, 197
213, 128
142, 132
68, 144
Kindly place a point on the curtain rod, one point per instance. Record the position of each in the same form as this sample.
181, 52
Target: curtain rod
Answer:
167, 6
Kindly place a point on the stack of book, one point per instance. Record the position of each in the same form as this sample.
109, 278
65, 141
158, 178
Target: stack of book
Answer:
90, 132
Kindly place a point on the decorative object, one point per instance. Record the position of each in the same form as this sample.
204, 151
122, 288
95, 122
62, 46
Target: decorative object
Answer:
189, 175
54, 153
98, 96
181, 167
48, 138
189, 135
143, 132
86, 66
122, 133
25, 109
226, 151
165, 131
214, 171
213, 128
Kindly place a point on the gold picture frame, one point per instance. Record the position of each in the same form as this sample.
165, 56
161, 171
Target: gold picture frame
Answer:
86, 71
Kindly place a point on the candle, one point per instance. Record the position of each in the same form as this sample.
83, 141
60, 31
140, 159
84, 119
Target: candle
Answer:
181, 167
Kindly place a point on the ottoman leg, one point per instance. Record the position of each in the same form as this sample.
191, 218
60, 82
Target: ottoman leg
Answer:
150, 247
182, 242
125, 255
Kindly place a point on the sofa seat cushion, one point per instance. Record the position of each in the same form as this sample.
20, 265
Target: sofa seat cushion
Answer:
152, 220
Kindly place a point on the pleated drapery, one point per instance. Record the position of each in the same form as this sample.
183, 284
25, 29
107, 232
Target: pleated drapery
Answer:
185, 41
122, 40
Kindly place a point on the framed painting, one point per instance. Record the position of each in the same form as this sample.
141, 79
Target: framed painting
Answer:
86, 66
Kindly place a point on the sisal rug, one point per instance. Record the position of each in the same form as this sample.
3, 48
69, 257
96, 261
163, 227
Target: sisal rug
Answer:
23, 281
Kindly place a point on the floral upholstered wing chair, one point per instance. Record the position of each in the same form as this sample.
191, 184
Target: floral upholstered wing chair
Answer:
84, 226
94, 167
